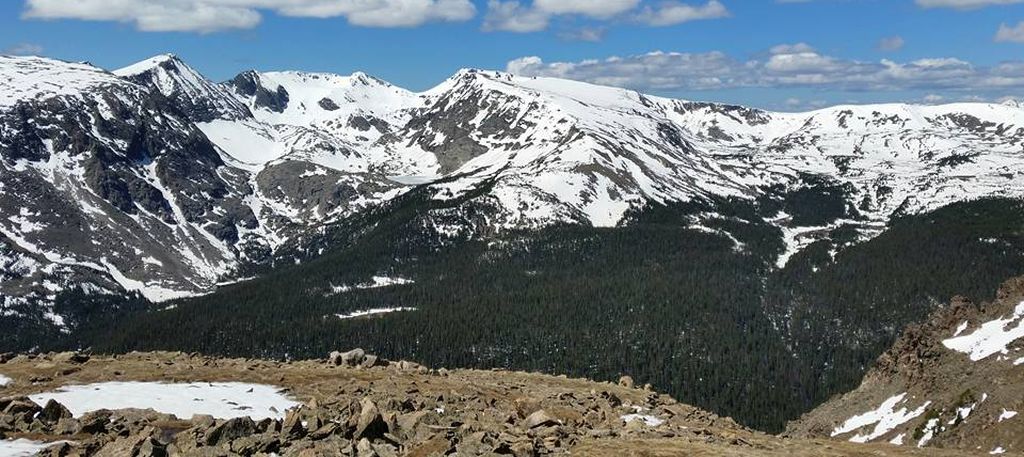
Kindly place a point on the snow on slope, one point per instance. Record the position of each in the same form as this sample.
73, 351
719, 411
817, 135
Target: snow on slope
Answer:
200, 98
885, 418
31, 78
991, 337
314, 98
551, 150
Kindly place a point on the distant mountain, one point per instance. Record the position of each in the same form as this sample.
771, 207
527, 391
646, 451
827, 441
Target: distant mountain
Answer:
121, 192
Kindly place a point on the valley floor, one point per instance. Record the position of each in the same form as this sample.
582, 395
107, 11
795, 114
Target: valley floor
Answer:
355, 404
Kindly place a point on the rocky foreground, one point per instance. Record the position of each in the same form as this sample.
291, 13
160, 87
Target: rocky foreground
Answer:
354, 404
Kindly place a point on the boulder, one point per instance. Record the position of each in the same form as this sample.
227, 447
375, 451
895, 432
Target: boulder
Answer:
540, 418
53, 412
353, 357
369, 361
229, 430
627, 382
292, 427
95, 422
19, 405
71, 357
371, 423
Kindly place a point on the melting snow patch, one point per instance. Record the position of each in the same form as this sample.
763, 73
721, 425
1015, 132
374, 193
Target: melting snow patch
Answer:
376, 282
4, 381
21, 448
960, 329
929, 431
885, 418
648, 420
1007, 414
373, 312
998, 450
898, 441
991, 338
220, 400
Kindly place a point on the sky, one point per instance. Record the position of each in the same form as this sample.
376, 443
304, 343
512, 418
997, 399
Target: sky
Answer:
776, 54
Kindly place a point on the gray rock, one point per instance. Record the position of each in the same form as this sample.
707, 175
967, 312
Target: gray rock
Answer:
539, 418
371, 423
53, 412
229, 430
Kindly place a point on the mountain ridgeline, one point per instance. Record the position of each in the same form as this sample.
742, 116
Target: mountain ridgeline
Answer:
748, 262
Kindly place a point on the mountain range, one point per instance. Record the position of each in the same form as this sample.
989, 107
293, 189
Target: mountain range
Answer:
136, 189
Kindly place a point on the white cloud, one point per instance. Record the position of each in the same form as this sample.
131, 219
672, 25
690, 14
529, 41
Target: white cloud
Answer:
796, 65
597, 9
206, 16
672, 13
516, 16
1011, 34
964, 4
23, 49
893, 43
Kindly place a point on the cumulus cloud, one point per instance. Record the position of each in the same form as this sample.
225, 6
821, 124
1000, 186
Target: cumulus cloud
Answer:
206, 16
516, 16
23, 49
964, 4
797, 65
1011, 34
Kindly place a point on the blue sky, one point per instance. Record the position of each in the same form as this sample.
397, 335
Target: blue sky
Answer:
781, 54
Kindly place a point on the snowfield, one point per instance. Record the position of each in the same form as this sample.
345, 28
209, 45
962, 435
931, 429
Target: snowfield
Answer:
220, 400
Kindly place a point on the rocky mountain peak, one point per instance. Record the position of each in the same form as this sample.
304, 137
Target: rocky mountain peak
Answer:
201, 99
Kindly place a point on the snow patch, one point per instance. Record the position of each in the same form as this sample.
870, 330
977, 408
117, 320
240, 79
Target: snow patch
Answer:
1006, 414
375, 282
930, 429
21, 447
374, 312
647, 419
220, 400
991, 338
886, 418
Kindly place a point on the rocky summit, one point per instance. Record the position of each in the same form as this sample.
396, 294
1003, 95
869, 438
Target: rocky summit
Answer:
355, 404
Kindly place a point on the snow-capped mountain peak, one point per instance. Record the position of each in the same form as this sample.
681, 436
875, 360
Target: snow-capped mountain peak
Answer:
285, 153
148, 64
200, 98
33, 78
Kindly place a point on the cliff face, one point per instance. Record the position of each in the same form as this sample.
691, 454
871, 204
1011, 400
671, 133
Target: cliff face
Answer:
955, 381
